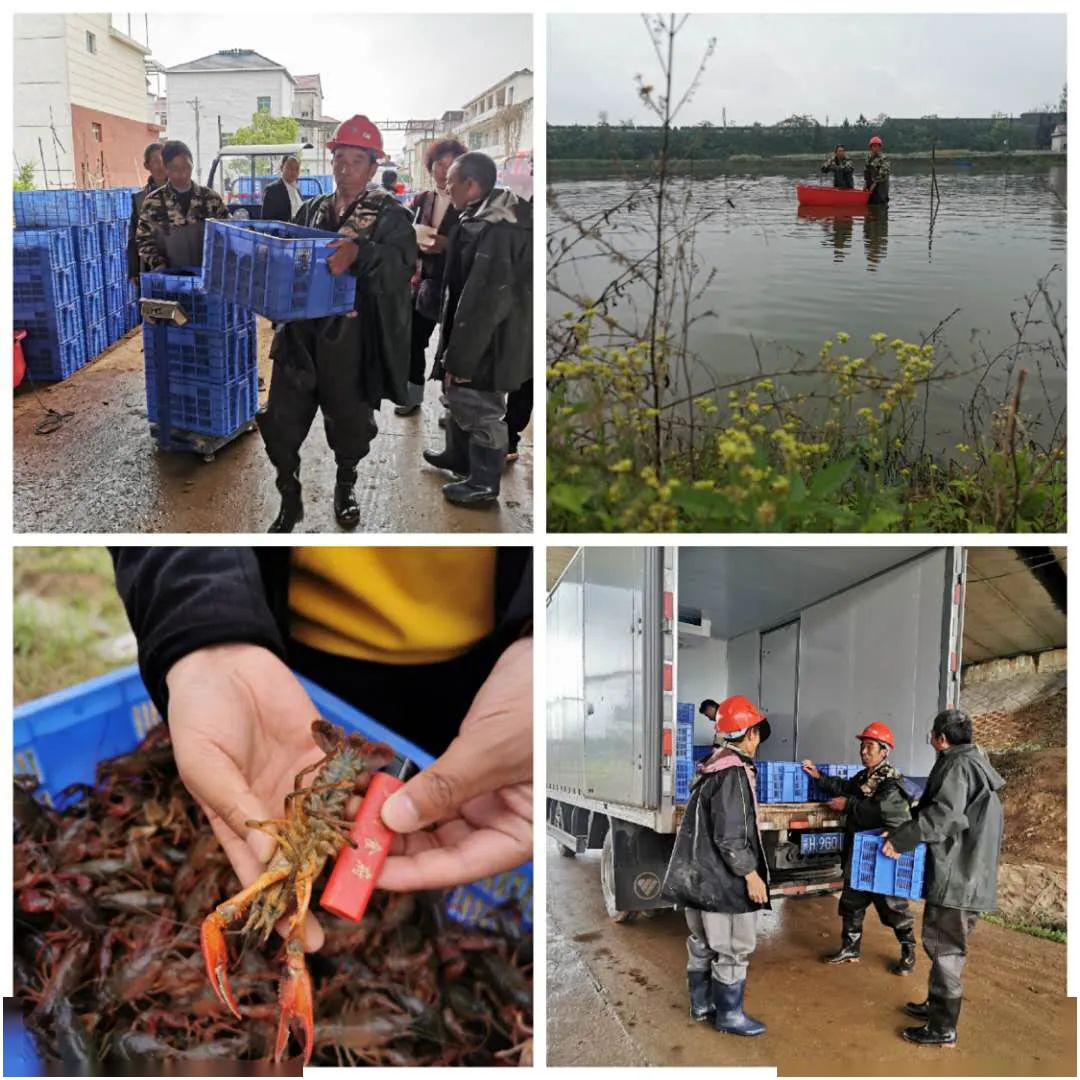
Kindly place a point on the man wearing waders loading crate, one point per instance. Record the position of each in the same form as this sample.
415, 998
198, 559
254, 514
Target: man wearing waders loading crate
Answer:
344, 364
872, 799
960, 820
718, 872
485, 347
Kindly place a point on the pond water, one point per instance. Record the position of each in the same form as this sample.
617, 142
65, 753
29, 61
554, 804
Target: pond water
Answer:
788, 278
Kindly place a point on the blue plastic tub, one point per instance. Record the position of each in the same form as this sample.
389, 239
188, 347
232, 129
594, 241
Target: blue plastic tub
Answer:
205, 408
87, 244
53, 209
205, 311
113, 236
684, 751
817, 794
115, 296
112, 204
114, 268
97, 339
131, 315
58, 324
40, 286
116, 325
93, 305
276, 269
91, 276
873, 872
214, 357
51, 361
57, 242
781, 781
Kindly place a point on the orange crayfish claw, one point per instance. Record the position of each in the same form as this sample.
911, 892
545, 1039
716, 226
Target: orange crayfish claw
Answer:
216, 955
296, 999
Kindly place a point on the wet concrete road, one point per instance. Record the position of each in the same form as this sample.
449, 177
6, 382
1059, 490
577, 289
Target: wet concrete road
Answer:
101, 472
617, 996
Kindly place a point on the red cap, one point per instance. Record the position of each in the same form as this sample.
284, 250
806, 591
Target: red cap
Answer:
737, 713
875, 140
358, 131
879, 733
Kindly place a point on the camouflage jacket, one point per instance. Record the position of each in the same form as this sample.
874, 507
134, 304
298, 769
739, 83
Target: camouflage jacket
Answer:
876, 798
161, 214
877, 170
843, 171
361, 219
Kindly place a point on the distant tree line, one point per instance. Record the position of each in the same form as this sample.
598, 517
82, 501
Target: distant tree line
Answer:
803, 135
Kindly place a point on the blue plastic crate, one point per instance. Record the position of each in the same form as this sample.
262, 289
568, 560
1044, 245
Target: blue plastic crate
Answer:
112, 204
56, 323
97, 339
205, 408
87, 244
489, 903
702, 752
51, 361
117, 327
276, 269
204, 310
91, 276
93, 306
53, 209
873, 872
114, 268
684, 751
193, 354
45, 289
115, 296
131, 315
112, 236
781, 781
57, 242
818, 794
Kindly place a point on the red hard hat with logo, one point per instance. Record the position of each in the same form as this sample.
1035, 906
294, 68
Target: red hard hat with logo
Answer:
736, 715
879, 733
357, 131
875, 140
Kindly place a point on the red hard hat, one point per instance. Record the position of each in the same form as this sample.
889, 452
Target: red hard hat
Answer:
875, 140
879, 733
357, 131
737, 714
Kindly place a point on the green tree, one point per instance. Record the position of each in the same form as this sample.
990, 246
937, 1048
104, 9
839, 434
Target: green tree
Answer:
24, 181
264, 130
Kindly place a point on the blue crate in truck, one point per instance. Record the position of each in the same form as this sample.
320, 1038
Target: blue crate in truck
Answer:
817, 794
781, 781
684, 751
276, 269
871, 871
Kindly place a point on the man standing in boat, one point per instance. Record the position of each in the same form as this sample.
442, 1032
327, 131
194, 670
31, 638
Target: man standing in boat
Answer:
841, 167
876, 174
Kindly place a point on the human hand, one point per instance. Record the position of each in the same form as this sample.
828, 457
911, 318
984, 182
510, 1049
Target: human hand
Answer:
435, 246
888, 850
756, 888
839, 803
345, 253
477, 795
241, 730
811, 769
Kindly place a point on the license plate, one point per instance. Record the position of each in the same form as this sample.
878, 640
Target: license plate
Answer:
821, 843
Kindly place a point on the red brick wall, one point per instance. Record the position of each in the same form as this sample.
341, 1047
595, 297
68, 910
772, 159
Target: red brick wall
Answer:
115, 161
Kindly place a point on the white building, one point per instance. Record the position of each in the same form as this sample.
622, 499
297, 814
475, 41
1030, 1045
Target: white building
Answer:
500, 120
227, 89
1058, 138
315, 128
82, 113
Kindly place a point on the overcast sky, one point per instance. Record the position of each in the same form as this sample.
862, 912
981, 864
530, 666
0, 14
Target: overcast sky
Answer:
767, 67
395, 67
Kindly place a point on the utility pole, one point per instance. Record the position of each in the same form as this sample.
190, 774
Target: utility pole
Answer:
723, 113
198, 152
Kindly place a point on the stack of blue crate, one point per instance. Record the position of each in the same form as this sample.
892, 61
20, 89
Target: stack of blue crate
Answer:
46, 302
844, 771
684, 751
113, 238
211, 362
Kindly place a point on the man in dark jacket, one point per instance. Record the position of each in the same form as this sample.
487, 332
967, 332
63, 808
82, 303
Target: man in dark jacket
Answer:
282, 199
154, 164
959, 818
344, 364
718, 872
485, 348
873, 798
841, 167
222, 633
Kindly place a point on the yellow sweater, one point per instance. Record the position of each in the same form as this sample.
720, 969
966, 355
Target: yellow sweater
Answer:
411, 605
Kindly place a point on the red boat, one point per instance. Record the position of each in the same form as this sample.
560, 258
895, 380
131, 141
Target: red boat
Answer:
830, 196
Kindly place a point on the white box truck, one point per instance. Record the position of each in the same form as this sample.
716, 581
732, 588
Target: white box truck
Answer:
825, 640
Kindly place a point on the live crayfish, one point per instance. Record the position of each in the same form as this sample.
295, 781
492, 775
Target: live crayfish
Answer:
110, 892
313, 829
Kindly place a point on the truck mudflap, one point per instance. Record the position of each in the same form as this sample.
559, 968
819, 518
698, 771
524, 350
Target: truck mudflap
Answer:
805, 888
633, 865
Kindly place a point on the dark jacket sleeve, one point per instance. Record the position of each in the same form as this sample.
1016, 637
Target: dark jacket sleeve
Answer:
833, 786
942, 816
486, 300
887, 808
731, 808
388, 259
182, 599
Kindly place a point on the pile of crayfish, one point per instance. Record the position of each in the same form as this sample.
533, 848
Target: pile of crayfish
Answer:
122, 908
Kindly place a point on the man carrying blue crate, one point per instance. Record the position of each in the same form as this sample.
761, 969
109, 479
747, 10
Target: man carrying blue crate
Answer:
960, 820
485, 344
169, 234
872, 799
344, 364
718, 872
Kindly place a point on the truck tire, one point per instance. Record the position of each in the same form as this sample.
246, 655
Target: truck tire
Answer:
607, 881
